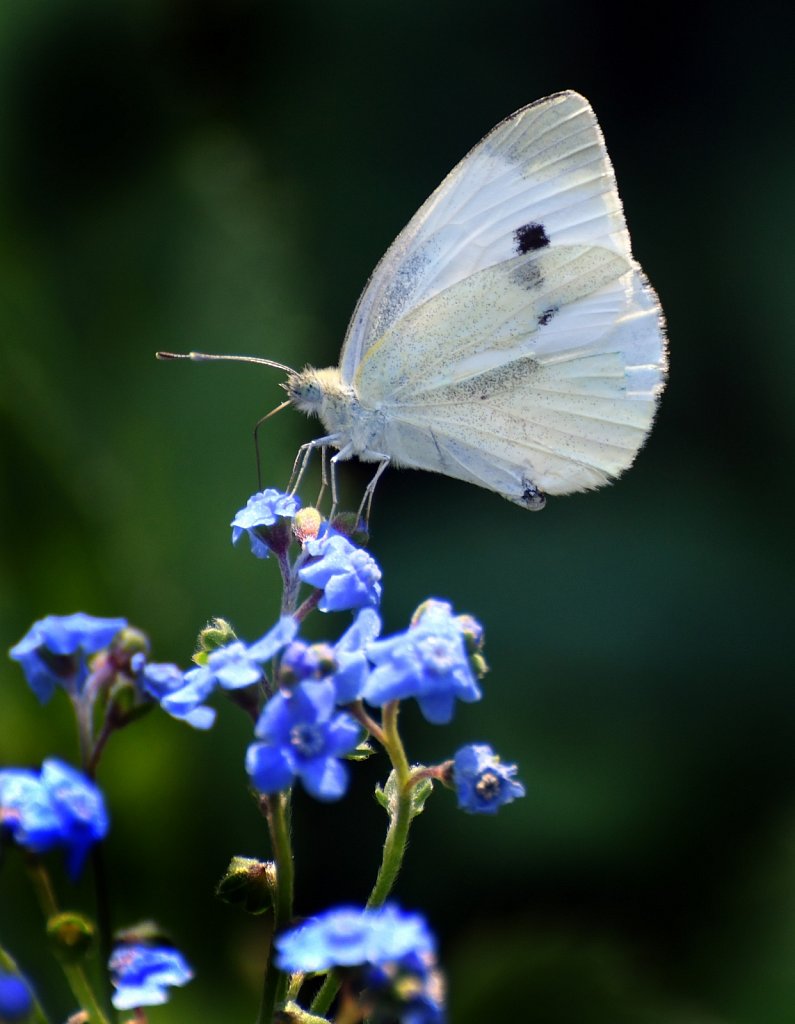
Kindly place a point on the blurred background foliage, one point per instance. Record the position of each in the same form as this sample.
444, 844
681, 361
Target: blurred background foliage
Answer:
223, 175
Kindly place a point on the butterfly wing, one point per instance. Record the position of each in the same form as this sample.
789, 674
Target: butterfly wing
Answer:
542, 172
508, 335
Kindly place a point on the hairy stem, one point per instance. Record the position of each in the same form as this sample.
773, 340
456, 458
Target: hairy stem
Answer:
75, 973
275, 984
396, 836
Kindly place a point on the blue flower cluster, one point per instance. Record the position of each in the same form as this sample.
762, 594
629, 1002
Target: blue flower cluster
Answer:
307, 700
303, 738
142, 974
54, 651
386, 944
233, 667
57, 808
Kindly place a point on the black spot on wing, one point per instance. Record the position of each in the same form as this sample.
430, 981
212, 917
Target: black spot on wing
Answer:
530, 237
547, 315
527, 275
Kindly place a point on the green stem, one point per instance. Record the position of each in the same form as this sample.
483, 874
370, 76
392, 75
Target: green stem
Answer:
90, 752
42, 886
289, 584
326, 993
83, 993
275, 985
394, 844
75, 974
397, 834
102, 905
84, 731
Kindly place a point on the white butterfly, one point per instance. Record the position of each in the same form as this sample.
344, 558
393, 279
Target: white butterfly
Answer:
507, 338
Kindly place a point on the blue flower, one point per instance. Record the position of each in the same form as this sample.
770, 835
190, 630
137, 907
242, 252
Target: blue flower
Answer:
166, 683
353, 666
16, 1002
261, 520
231, 667
26, 811
482, 782
348, 576
142, 974
428, 661
53, 651
302, 737
275, 640
58, 808
350, 936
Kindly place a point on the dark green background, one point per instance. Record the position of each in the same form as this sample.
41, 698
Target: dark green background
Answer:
223, 176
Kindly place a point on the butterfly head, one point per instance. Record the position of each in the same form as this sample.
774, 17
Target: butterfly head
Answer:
309, 389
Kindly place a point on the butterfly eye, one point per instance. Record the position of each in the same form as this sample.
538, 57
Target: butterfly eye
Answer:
305, 390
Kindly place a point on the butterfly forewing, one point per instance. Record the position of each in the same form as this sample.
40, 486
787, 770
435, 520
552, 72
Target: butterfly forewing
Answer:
508, 336
543, 173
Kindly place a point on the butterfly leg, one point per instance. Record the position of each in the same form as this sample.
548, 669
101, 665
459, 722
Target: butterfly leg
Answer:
323, 475
369, 491
302, 460
341, 456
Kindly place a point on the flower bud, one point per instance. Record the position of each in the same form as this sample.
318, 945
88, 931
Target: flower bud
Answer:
249, 882
71, 936
302, 661
217, 633
351, 526
478, 665
306, 524
128, 642
472, 632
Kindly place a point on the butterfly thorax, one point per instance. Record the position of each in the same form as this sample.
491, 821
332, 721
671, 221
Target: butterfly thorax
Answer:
322, 393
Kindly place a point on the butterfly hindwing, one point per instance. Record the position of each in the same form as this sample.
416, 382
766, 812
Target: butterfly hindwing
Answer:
536, 371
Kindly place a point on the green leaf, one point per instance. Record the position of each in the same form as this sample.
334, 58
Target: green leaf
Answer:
389, 794
360, 753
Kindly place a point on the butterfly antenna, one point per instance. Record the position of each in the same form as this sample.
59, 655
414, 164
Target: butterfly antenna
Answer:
205, 357
257, 425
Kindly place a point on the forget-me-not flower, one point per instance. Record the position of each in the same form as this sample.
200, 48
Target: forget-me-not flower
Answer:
429, 661
348, 936
165, 682
262, 513
348, 576
59, 807
231, 668
483, 783
303, 736
353, 666
142, 974
54, 650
